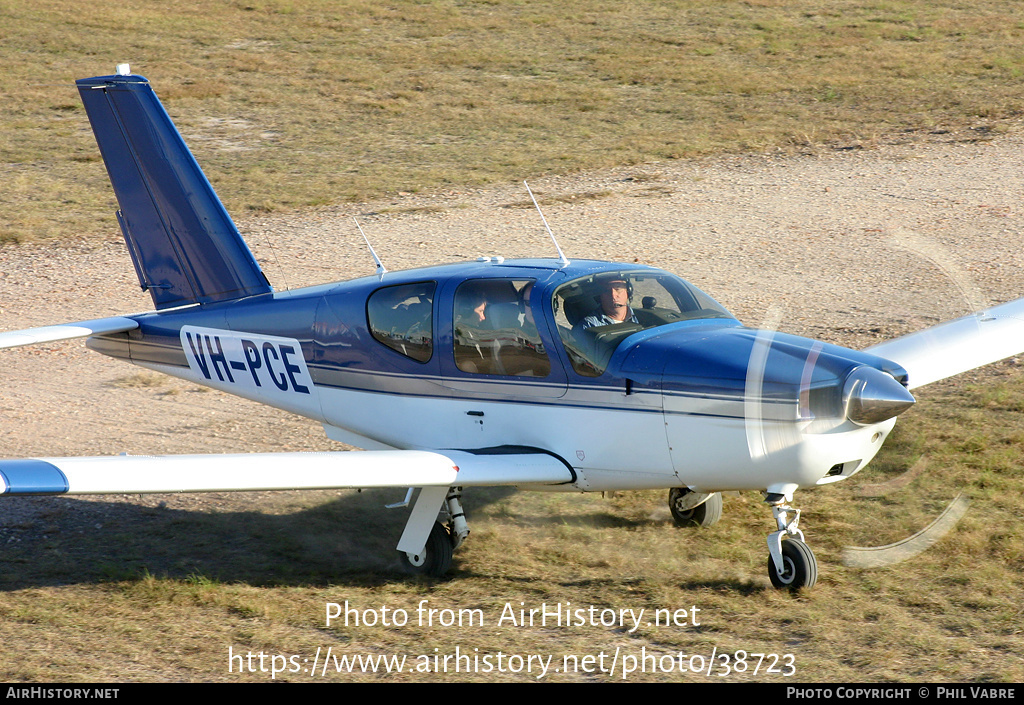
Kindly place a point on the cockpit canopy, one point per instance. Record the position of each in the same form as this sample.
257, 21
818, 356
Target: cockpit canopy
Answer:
489, 316
597, 312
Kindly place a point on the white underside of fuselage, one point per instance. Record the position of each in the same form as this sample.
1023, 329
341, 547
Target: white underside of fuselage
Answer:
610, 447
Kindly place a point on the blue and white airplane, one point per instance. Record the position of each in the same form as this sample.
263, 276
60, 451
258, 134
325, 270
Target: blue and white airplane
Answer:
543, 374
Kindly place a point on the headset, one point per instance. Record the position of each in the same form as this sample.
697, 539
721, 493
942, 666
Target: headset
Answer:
603, 280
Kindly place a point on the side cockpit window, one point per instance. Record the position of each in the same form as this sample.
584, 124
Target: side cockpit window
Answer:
401, 318
495, 333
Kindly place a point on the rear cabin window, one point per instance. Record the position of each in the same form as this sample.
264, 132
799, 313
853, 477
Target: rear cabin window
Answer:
495, 333
401, 317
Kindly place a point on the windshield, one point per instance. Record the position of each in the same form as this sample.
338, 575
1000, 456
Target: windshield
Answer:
596, 313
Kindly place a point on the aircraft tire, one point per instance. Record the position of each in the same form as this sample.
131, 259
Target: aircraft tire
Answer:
706, 514
800, 567
436, 559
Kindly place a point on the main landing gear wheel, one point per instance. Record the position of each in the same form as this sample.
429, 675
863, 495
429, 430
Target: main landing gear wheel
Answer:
705, 514
436, 558
799, 566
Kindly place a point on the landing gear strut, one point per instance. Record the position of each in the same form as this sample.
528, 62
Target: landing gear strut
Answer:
791, 563
457, 525
435, 559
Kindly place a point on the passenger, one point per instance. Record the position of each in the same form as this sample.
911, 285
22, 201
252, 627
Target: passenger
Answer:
476, 343
475, 299
474, 304
526, 312
525, 356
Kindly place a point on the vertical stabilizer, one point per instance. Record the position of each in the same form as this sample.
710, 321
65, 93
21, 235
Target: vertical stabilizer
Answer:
184, 245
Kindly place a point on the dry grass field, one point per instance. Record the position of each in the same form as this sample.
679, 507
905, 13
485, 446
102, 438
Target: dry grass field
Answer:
293, 108
292, 104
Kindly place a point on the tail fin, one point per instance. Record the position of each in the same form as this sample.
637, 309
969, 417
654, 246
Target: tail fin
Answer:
184, 245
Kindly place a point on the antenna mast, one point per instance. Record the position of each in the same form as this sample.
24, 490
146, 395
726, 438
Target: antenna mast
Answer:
381, 269
561, 255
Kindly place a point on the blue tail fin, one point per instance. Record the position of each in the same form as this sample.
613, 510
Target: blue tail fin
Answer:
184, 245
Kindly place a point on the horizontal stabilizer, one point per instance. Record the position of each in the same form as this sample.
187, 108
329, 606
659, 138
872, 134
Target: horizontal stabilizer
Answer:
184, 245
958, 346
67, 331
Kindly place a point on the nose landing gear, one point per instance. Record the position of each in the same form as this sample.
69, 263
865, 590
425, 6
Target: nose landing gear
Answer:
791, 563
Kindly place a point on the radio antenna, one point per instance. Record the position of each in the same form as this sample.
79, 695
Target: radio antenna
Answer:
381, 269
561, 255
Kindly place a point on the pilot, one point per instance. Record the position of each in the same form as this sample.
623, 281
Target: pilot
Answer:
614, 304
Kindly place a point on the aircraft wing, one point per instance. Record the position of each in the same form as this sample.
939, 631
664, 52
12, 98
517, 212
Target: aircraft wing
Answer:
957, 346
67, 331
140, 474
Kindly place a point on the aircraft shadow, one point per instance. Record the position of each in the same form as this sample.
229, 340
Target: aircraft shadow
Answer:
260, 539
52, 541
48, 541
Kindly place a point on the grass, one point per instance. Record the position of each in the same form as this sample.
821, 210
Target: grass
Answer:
179, 587
290, 106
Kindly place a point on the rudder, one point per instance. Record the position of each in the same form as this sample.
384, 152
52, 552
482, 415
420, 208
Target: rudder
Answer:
184, 245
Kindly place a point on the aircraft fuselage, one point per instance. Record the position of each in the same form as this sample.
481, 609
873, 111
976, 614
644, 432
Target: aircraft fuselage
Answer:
694, 400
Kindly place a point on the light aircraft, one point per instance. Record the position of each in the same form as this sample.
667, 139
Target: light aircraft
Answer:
480, 373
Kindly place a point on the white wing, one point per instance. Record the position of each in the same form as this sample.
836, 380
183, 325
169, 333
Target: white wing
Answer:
434, 473
957, 346
141, 474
